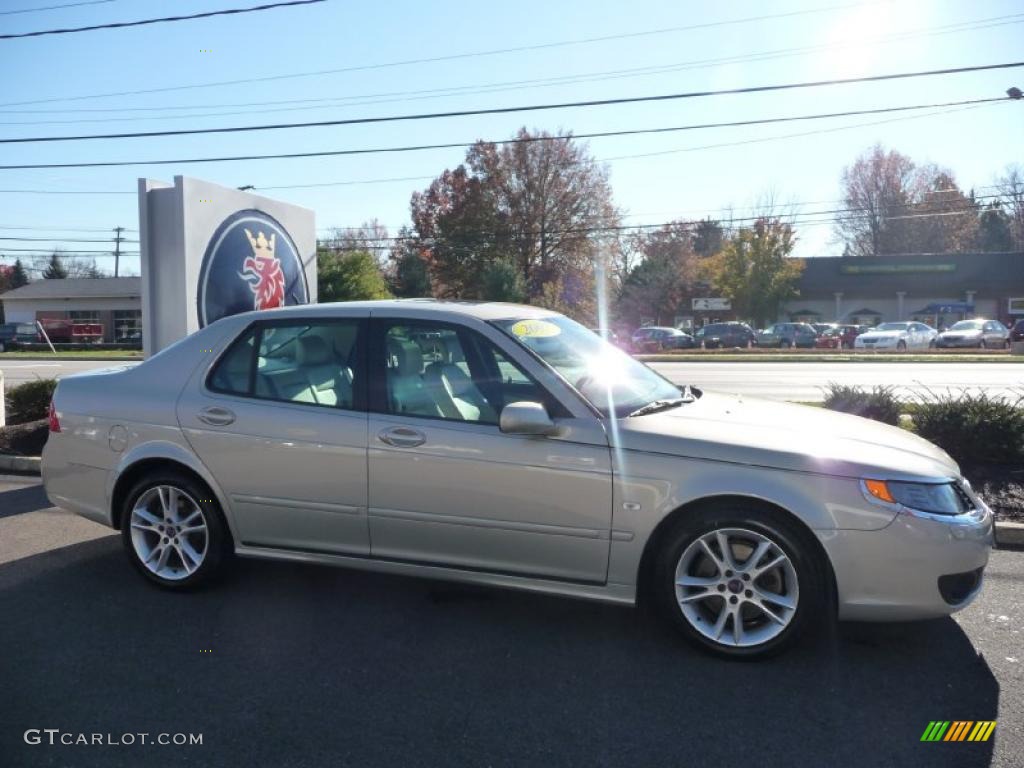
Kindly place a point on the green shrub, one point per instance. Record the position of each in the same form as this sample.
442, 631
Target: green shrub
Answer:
29, 401
973, 428
879, 403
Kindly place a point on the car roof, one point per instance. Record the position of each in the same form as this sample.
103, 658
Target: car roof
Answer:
483, 310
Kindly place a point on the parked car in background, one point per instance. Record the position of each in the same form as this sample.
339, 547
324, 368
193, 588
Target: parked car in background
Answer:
787, 335
725, 335
980, 333
837, 336
13, 334
899, 336
658, 339
820, 328
1017, 332
531, 455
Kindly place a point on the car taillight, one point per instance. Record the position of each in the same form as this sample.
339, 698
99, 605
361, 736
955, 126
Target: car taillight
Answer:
54, 421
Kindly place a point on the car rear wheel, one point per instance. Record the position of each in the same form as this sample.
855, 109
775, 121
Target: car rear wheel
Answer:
982, 344
901, 346
740, 582
173, 530
785, 344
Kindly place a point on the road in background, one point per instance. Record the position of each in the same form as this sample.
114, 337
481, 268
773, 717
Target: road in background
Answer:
805, 382
776, 381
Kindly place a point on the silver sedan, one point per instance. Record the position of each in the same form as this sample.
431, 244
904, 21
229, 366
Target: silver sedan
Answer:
510, 446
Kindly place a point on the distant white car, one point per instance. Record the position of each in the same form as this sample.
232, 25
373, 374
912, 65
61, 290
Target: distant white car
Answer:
900, 336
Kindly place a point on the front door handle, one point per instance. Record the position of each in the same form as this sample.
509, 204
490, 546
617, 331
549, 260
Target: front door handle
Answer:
402, 437
216, 416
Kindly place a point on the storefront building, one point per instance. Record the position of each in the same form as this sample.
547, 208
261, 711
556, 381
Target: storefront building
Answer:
113, 302
934, 289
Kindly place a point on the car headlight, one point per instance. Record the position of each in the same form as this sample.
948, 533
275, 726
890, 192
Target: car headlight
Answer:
936, 498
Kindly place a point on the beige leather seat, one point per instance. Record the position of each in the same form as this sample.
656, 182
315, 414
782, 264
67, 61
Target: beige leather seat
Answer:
405, 380
329, 382
456, 395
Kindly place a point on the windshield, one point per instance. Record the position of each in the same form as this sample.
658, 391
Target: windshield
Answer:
611, 380
967, 325
891, 327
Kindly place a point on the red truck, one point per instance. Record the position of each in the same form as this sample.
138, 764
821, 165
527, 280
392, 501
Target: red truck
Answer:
72, 332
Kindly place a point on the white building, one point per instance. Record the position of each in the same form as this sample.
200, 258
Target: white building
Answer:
114, 302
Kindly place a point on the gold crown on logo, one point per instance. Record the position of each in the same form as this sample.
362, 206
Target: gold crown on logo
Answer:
261, 247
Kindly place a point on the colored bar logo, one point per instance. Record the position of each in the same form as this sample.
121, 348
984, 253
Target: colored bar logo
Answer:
958, 730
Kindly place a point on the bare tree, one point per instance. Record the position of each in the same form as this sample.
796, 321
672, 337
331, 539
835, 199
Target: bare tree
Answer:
879, 186
1011, 194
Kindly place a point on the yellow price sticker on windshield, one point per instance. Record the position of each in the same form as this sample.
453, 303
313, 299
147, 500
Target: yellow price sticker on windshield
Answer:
536, 329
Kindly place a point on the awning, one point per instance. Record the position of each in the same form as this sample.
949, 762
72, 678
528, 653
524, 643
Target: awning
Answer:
946, 309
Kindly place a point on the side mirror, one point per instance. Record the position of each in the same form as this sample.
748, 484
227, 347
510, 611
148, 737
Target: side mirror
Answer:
525, 418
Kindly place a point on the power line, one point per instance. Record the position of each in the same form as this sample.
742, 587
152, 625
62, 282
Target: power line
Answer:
60, 240
291, 105
527, 107
529, 139
62, 254
55, 7
456, 56
54, 228
142, 22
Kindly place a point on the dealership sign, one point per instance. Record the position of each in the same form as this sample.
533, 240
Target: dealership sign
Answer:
250, 263
712, 304
210, 251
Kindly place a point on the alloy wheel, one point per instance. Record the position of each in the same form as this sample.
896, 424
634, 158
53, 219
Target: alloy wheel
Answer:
736, 587
169, 533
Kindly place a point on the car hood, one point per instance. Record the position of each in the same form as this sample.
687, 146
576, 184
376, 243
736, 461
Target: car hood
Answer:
786, 436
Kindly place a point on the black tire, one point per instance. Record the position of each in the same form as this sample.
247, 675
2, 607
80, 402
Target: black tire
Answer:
982, 344
901, 346
814, 581
785, 344
932, 344
218, 544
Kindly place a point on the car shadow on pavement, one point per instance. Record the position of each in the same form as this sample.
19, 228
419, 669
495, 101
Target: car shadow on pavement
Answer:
281, 664
18, 501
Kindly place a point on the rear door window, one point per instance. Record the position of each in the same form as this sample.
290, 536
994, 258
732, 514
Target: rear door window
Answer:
309, 363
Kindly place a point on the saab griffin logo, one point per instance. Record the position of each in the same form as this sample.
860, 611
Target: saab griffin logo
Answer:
250, 263
958, 730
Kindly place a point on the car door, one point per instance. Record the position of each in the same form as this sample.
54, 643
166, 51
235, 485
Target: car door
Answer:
280, 421
448, 487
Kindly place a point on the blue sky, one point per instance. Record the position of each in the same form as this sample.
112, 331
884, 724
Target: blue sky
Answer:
847, 40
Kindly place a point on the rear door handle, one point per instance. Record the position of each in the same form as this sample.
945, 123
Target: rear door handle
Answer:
216, 417
402, 437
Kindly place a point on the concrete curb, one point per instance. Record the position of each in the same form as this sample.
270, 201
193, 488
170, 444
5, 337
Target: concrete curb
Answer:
26, 464
1010, 534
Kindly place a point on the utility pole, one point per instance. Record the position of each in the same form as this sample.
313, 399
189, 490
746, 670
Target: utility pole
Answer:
117, 249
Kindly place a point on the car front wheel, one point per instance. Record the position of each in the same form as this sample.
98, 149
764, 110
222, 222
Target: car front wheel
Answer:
173, 530
740, 583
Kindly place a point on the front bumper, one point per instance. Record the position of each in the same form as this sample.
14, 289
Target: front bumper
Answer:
920, 566
880, 344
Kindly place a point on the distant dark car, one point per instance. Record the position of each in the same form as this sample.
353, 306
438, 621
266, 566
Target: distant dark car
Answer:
820, 328
658, 338
725, 335
13, 334
837, 336
788, 335
1017, 332
981, 333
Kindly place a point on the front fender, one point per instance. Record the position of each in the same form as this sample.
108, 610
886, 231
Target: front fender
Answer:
648, 488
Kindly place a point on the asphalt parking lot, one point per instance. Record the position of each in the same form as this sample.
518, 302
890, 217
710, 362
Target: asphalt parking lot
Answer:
305, 666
